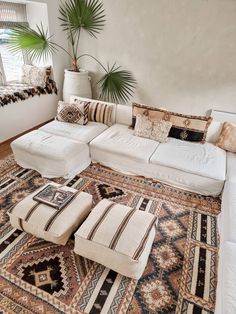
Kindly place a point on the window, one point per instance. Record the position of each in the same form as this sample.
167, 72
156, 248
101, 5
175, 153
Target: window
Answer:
11, 14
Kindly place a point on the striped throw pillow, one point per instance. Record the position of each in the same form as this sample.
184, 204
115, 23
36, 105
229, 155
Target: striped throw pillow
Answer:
184, 127
98, 111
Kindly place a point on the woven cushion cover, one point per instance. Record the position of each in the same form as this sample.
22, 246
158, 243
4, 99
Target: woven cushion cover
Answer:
48, 223
185, 127
118, 237
227, 138
36, 76
73, 113
98, 111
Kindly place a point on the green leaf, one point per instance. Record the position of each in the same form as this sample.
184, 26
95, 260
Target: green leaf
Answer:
117, 85
36, 44
82, 14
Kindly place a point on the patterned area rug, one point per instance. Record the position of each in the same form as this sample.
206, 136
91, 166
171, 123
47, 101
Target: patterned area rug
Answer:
180, 277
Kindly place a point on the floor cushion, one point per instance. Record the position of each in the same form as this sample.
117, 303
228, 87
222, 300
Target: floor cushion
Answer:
48, 223
51, 155
82, 133
118, 237
206, 159
119, 139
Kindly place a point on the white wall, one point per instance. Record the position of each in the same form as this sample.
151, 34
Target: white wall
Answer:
60, 60
182, 52
37, 14
18, 117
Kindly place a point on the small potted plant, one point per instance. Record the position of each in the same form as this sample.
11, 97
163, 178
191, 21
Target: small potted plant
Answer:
116, 84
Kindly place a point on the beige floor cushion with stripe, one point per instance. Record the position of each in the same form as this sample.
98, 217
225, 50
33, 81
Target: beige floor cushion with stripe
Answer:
118, 237
48, 223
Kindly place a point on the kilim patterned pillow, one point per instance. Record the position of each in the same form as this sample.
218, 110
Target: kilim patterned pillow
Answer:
227, 138
73, 113
35, 76
184, 127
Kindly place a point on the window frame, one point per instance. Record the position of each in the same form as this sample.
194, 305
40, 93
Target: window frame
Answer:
6, 24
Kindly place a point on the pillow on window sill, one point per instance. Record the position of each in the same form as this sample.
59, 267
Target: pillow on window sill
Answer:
73, 113
35, 76
227, 138
157, 130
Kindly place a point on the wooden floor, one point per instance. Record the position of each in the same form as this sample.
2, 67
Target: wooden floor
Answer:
5, 150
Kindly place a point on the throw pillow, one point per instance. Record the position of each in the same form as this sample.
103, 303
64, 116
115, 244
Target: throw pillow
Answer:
157, 130
99, 112
143, 126
184, 127
73, 113
160, 130
35, 76
227, 139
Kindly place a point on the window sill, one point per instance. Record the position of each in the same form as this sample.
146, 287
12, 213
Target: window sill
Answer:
15, 91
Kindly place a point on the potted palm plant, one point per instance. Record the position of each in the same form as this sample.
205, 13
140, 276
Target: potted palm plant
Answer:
116, 84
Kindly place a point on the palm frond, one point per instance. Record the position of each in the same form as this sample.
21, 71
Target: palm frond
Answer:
36, 44
117, 85
82, 14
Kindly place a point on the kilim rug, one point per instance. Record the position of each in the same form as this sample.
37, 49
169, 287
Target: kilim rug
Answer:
40, 277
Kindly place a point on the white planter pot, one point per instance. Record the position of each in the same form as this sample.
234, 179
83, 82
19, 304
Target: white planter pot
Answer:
76, 84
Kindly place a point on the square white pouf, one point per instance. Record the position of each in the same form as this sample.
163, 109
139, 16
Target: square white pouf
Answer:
48, 223
118, 237
51, 155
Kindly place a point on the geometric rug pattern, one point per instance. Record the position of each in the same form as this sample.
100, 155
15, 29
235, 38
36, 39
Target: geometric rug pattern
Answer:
181, 275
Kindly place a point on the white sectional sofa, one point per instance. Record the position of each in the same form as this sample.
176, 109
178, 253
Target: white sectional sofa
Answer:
226, 296
200, 168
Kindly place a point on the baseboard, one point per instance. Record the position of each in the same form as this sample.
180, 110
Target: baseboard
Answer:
8, 142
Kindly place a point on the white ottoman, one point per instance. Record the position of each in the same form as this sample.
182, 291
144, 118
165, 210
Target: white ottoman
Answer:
52, 156
118, 237
48, 223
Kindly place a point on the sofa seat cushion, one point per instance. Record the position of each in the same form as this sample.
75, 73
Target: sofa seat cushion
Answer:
52, 156
118, 237
119, 139
48, 223
205, 160
81, 133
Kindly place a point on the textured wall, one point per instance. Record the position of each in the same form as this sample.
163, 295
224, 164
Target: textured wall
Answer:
60, 60
182, 52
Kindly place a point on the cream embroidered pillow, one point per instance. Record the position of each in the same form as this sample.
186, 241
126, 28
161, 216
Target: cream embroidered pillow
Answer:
35, 76
160, 130
143, 126
227, 139
157, 130
73, 113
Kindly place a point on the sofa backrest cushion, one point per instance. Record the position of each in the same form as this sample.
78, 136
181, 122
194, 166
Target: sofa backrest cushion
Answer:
113, 115
214, 131
124, 114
